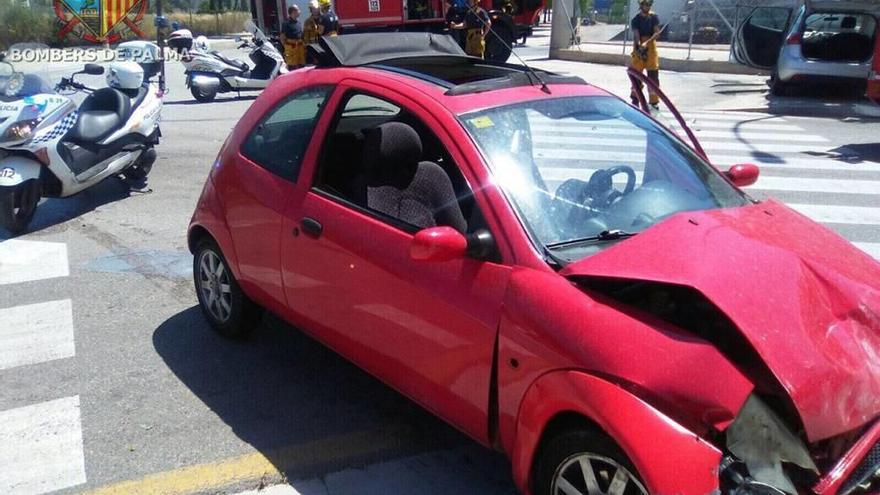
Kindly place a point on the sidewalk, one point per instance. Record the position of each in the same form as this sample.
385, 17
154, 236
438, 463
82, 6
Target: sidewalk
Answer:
673, 57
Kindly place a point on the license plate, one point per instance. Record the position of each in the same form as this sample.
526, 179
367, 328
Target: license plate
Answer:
7, 173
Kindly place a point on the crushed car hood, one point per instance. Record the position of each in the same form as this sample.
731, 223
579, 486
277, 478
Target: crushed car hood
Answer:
805, 298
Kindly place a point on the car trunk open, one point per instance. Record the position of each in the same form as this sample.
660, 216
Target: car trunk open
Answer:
838, 36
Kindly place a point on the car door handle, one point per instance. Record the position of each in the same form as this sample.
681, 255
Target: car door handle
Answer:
311, 227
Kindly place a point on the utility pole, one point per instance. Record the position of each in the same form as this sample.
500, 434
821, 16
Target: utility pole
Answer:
160, 40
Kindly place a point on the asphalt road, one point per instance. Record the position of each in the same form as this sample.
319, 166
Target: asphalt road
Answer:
136, 386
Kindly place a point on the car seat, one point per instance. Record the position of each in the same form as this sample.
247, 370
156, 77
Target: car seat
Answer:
397, 184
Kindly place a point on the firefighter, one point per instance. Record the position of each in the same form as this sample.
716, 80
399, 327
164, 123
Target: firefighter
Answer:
646, 30
476, 25
310, 27
292, 38
328, 23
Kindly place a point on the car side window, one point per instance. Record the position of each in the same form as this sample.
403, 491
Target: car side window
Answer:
772, 18
279, 142
343, 173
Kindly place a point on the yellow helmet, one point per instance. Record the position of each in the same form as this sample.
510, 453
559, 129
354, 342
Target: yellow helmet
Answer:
324, 3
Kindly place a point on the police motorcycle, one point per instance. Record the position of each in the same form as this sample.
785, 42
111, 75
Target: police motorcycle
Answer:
209, 72
51, 148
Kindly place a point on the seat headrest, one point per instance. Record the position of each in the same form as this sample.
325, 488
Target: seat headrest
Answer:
392, 149
848, 22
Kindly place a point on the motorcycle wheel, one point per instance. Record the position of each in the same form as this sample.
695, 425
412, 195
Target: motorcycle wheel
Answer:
140, 170
18, 205
203, 95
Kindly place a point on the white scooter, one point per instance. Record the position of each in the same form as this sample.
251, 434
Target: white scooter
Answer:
209, 72
50, 148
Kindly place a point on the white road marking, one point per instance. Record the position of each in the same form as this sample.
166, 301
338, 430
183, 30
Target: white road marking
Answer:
787, 163
577, 133
855, 215
594, 144
24, 261
36, 333
872, 248
41, 447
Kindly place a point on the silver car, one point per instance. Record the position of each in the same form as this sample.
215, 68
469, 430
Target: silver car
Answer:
819, 41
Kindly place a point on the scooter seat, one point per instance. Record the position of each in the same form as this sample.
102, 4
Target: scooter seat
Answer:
229, 61
101, 113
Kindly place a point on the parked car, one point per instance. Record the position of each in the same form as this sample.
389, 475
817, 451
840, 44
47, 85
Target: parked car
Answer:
822, 41
615, 323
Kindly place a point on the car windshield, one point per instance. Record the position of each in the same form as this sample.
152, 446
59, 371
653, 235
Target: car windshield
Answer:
585, 171
17, 85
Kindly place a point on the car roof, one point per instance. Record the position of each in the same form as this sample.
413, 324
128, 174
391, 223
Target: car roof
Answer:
436, 65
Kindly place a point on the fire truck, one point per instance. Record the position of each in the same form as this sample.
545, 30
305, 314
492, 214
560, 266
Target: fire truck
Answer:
512, 20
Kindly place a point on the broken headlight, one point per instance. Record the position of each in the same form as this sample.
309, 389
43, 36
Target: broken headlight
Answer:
760, 443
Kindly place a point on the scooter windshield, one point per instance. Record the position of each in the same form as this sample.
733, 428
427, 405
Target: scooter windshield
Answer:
17, 85
251, 27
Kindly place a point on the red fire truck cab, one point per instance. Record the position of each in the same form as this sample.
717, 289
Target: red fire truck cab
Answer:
511, 19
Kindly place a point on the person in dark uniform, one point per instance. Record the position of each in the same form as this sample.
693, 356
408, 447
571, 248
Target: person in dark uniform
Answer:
328, 23
454, 15
292, 38
476, 25
646, 30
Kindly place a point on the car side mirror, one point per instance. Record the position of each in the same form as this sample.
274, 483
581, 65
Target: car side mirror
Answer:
438, 244
93, 69
742, 175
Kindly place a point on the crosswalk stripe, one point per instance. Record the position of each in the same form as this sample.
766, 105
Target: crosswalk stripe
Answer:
41, 447
24, 261
593, 145
767, 183
722, 161
872, 248
855, 215
572, 132
36, 333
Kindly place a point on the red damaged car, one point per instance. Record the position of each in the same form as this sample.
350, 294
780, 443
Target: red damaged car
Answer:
618, 323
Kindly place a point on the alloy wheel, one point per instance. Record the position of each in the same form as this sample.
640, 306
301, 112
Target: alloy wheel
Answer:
214, 284
591, 474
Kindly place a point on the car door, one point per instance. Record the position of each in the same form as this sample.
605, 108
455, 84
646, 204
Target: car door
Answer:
425, 328
760, 36
266, 170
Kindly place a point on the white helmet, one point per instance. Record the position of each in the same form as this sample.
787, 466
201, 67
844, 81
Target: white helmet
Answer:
201, 43
125, 75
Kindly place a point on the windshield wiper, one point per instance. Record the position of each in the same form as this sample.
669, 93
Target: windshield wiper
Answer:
605, 235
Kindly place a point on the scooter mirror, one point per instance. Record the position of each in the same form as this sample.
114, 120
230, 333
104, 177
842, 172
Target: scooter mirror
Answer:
93, 69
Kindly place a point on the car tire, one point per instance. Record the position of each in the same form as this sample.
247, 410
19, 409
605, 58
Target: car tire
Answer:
18, 205
563, 457
203, 95
229, 311
779, 88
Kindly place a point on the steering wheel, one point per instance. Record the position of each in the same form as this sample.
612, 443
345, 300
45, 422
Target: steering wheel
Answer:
601, 188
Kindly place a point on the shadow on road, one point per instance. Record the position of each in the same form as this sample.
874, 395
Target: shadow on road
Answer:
306, 409
221, 99
53, 211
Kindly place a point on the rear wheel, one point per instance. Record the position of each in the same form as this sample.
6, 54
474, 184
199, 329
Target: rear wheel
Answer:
227, 308
777, 87
584, 462
202, 94
18, 205
141, 169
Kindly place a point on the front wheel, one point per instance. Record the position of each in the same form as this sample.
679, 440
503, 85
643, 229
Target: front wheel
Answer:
584, 462
203, 95
18, 205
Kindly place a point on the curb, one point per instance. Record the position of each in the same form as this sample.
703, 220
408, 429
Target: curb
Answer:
672, 64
